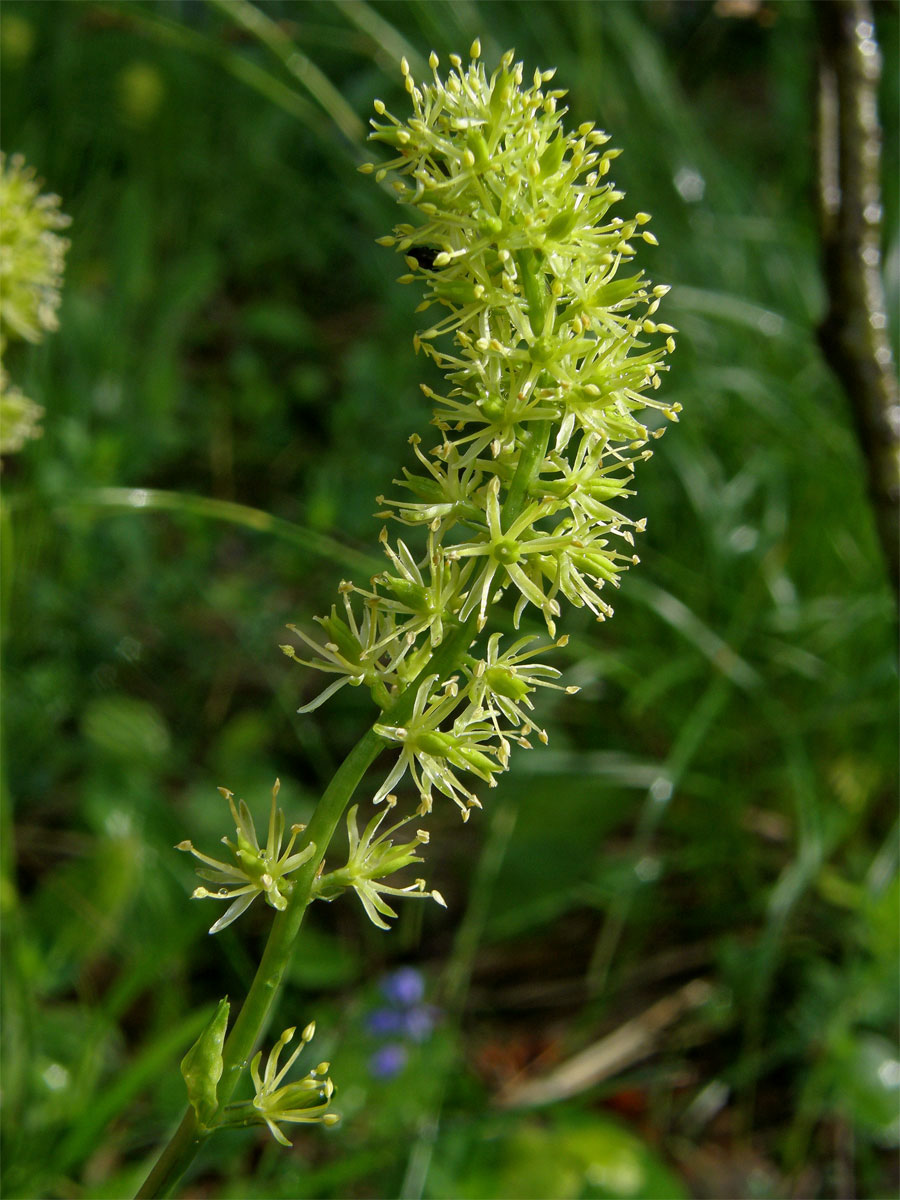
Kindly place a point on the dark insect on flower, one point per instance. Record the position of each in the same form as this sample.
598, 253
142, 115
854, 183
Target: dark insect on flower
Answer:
424, 256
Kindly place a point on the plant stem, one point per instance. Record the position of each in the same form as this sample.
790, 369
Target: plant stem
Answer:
253, 1017
531, 458
254, 1014
171, 1164
853, 334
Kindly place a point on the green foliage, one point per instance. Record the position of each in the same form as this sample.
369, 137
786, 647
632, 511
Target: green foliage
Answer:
718, 800
576, 1157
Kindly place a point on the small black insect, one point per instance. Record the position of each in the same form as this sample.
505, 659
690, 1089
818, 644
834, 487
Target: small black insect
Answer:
424, 256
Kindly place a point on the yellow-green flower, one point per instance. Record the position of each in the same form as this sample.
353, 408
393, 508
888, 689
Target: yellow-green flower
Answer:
256, 871
501, 684
20, 418
32, 253
306, 1101
32, 256
371, 861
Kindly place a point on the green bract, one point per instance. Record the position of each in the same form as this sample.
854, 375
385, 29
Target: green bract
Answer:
202, 1066
548, 340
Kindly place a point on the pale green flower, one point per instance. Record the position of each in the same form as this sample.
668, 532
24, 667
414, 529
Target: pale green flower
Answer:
367, 651
419, 596
256, 871
433, 755
447, 494
20, 417
32, 256
372, 860
506, 553
32, 253
584, 481
501, 684
306, 1101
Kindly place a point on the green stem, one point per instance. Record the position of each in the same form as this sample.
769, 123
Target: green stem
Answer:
175, 1158
531, 457
254, 1014
116, 500
261, 998
271, 34
534, 285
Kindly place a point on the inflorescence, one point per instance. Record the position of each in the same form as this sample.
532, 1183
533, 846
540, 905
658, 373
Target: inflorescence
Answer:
548, 341
555, 344
32, 256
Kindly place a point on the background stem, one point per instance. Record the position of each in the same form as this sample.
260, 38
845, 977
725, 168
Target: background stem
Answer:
853, 334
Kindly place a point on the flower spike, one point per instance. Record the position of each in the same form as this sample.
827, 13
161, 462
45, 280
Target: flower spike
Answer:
549, 339
32, 255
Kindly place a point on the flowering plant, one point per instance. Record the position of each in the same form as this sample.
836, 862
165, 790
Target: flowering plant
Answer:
32, 255
555, 356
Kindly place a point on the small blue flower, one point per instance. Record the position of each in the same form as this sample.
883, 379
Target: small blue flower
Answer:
405, 987
404, 1019
387, 1022
388, 1061
418, 1022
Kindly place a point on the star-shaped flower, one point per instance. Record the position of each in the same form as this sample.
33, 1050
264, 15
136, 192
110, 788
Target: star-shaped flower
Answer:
304, 1102
371, 861
256, 871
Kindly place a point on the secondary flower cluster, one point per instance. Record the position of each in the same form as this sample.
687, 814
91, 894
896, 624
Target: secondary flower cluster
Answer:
31, 265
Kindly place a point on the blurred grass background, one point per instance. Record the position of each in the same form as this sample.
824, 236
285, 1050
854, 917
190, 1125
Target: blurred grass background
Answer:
719, 802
